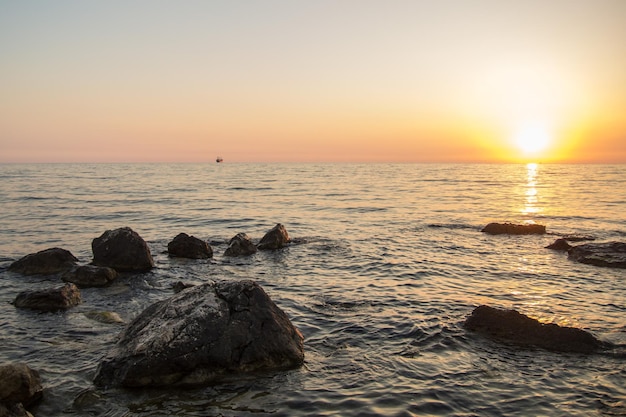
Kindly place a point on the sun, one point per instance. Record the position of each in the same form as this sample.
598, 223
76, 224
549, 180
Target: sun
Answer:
532, 138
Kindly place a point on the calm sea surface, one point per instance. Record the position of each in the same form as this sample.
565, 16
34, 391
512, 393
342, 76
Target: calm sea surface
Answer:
391, 262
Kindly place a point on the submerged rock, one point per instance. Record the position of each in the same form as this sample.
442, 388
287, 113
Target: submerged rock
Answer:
85, 276
106, 317
240, 245
511, 326
19, 384
45, 262
185, 246
51, 299
559, 244
178, 286
514, 229
123, 250
275, 238
578, 238
201, 334
609, 254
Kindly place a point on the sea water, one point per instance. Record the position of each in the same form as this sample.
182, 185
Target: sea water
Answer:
388, 262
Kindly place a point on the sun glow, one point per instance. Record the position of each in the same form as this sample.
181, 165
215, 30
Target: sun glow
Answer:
532, 138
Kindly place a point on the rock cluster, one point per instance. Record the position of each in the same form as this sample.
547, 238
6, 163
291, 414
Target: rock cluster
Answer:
241, 245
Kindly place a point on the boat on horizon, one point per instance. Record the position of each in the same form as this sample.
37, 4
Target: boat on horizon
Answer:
219, 159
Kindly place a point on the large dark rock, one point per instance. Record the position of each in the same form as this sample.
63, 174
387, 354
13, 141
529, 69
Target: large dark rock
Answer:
609, 254
45, 262
511, 326
123, 250
201, 334
19, 384
275, 238
514, 229
51, 299
240, 245
185, 246
86, 276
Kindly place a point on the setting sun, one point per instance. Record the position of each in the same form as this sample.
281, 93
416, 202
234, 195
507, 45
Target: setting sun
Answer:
532, 138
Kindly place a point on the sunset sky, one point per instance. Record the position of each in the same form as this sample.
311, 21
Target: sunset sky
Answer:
341, 80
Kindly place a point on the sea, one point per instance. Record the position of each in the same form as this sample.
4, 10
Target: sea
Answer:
387, 262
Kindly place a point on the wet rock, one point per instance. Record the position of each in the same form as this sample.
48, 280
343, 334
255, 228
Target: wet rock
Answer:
123, 250
86, 276
19, 386
45, 262
240, 245
559, 244
185, 246
106, 317
51, 299
514, 229
13, 410
200, 335
275, 238
179, 286
511, 326
578, 238
609, 254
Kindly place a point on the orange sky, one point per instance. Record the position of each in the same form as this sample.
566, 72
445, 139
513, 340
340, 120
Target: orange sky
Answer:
447, 81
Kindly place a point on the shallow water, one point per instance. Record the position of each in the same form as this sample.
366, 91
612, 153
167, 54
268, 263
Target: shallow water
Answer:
389, 262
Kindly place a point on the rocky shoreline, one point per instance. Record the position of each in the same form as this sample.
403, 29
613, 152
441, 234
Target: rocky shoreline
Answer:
207, 331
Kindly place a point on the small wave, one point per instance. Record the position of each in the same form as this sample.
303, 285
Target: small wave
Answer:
453, 226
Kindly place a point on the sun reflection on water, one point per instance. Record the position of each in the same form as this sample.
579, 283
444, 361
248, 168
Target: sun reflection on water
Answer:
531, 202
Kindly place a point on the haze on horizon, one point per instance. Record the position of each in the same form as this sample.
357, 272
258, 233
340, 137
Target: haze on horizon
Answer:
358, 81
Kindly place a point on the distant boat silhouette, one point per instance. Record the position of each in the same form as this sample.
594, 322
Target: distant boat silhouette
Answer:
219, 159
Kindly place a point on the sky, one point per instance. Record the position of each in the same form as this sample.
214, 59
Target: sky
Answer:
313, 81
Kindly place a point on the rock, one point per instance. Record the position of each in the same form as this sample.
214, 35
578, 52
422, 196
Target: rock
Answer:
45, 262
514, 229
106, 317
240, 245
51, 299
90, 276
511, 326
179, 286
185, 246
609, 254
276, 238
19, 384
578, 238
123, 250
13, 410
559, 244
200, 335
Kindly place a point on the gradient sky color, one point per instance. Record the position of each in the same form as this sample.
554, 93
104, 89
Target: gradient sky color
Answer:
266, 81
